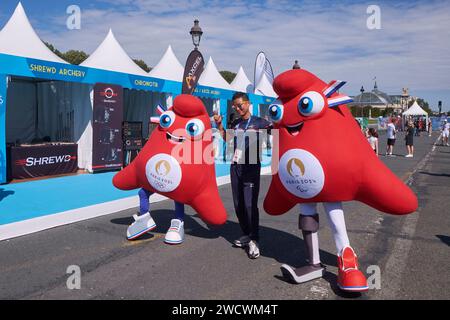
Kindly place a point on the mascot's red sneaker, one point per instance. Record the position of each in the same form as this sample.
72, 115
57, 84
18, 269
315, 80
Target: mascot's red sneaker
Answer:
349, 277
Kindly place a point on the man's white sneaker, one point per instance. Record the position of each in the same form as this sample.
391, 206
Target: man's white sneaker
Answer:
242, 241
253, 250
409, 156
142, 224
175, 234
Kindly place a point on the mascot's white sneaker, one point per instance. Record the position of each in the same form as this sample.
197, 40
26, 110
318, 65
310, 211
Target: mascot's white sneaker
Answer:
242, 242
175, 234
142, 224
253, 250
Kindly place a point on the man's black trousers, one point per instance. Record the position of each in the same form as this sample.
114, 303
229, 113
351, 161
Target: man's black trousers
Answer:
245, 181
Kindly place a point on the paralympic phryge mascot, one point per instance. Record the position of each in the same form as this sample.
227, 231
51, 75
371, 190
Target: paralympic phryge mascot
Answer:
177, 162
324, 157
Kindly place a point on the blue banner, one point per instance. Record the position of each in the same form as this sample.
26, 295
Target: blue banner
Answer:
437, 122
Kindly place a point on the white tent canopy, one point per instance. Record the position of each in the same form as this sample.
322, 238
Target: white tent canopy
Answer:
168, 68
415, 110
111, 56
212, 78
264, 87
241, 82
19, 38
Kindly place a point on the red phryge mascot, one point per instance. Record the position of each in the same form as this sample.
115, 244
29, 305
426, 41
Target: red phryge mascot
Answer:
324, 157
177, 162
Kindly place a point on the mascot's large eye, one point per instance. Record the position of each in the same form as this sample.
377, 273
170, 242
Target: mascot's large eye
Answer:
311, 103
195, 127
167, 119
276, 111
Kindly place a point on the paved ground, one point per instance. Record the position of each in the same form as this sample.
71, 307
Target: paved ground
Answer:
412, 252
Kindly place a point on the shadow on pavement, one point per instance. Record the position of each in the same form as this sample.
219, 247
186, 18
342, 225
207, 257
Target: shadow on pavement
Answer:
444, 239
4, 193
435, 174
281, 246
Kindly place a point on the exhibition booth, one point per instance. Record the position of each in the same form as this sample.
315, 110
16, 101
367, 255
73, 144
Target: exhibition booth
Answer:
58, 118
48, 104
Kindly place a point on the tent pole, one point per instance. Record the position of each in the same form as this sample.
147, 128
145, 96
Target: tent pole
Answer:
36, 120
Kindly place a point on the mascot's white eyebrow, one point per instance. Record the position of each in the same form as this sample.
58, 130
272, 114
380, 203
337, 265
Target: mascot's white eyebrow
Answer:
160, 109
330, 89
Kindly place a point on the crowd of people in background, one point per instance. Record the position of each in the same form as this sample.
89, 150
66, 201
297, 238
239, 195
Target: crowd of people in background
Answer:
412, 128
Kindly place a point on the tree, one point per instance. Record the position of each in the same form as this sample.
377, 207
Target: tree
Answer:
54, 50
75, 57
72, 56
358, 111
143, 65
228, 76
376, 112
387, 112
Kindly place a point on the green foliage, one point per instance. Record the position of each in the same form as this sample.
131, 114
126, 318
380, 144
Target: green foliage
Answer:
72, 56
75, 57
362, 111
54, 50
228, 76
387, 112
143, 65
376, 112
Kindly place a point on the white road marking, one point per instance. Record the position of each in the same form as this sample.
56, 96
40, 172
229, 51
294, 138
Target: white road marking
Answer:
396, 263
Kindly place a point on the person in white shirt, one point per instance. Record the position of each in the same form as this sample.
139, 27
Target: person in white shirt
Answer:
391, 132
373, 139
445, 132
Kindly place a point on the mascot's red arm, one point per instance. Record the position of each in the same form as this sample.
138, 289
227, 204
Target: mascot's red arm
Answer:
174, 162
337, 164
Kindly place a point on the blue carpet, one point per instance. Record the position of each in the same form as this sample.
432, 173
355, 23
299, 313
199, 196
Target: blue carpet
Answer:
27, 200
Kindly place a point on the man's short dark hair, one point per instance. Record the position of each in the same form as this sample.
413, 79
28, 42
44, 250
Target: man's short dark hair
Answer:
242, 95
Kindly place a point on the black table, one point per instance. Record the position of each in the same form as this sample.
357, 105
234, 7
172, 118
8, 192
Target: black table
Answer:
32, 161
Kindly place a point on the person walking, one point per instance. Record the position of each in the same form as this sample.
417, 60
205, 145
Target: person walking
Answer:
430, 127
417, 128
445, 132
391, 134
373, 139
245, 170
409, 139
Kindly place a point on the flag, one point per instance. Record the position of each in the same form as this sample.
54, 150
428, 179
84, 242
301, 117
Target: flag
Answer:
262, 66
192, 71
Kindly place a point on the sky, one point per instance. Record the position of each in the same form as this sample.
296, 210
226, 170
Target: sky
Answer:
329, 38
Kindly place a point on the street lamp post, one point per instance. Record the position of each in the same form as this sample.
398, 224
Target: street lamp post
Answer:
362, 108
195, 62
196, 33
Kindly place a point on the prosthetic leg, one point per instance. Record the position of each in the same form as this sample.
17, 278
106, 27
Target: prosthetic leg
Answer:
309, 224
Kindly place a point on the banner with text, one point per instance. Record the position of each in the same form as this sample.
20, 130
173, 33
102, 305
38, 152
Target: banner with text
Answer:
192, 71
107, 127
